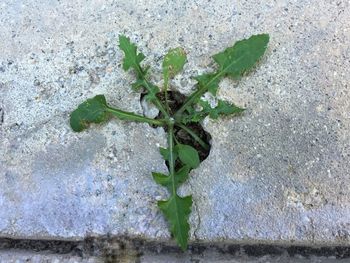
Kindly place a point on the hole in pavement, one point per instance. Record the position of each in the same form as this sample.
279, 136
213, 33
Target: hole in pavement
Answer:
175, 100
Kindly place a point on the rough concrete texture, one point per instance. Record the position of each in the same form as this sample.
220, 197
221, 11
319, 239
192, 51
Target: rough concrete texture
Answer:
210, 256
278, 174
20, 256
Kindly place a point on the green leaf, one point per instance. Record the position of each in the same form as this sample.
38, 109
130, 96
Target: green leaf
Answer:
177, 210
188, 155
162, 179
132, 58
93, 110
138, 85
152, 91
192, 115
173, 62
166, 154
209, 81
223, 108
181, 175
234, 61
165, 180
96, 110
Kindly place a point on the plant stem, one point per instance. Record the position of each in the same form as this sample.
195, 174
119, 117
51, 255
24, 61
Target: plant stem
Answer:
171, 157
166, 84
194, 135
141, 74
159, 105
125, 115
176, 141
198, 93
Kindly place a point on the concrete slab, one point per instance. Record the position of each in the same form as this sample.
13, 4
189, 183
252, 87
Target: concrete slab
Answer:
279, 174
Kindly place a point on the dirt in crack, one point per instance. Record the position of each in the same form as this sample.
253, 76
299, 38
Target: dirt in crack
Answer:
175, 100
1, 116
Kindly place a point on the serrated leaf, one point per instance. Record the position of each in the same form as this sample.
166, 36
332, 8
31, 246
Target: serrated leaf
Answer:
173, 62
223, 108
132, 58
192, 115
188, 155
234, 61
152, 90
210, 81
93, 110
177, 210
165, 180
138, 85
197, 116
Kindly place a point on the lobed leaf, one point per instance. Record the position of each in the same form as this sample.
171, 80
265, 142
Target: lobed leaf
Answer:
209, 81
177, 210
234, 61
167, 181
152, 89
93, 110
192, 115
132, 58
223, 108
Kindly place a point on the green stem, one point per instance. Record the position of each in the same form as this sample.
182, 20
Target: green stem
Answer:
171, 157
156, 101
159, 105
177, 142
197, 94
130, 116
194, 135
166, 84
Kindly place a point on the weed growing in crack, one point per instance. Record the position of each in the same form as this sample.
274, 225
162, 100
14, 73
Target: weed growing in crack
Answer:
179, 115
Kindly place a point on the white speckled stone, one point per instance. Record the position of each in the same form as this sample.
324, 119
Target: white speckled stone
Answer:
278, 174
21, 256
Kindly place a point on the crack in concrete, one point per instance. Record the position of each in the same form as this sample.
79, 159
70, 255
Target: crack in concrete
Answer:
2, 113
111, 248
194, 204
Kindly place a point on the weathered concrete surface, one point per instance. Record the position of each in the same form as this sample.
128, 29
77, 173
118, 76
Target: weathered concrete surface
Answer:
19, 256
280, 173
